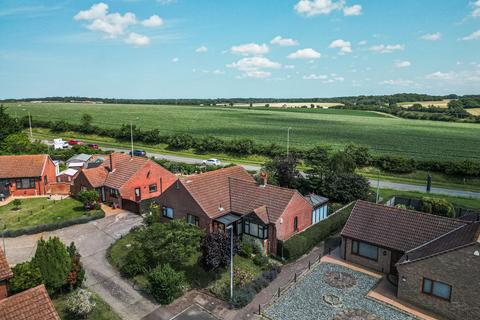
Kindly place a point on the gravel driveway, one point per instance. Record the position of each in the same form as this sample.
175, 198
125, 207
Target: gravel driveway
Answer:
92, 240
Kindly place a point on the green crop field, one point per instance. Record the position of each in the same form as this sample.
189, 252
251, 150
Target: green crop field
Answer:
309, 127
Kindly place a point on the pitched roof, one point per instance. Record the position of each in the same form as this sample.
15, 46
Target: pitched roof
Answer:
458, 238
5, 271
32, 304
395, 228
248, 196
22, 166
124, 168
315, 199
82, 157
211, 189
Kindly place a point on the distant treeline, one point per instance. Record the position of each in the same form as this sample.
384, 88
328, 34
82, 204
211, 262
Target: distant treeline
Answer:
242, 147
380, 100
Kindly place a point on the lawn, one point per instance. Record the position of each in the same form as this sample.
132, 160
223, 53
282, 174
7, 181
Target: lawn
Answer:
384, 135
37, 211
472, 203
102, 310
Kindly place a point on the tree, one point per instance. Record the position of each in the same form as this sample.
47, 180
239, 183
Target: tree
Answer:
19, 143
17, 203
176, 242
25, 276
216, 250
342, 163
439, 207
317, 156
86, 123
77, 272
54, 263
166, 284
283, 170
80, 303
360, 155
88, 197
8, 125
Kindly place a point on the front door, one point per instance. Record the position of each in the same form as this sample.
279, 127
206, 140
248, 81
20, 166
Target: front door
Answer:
395, 256
138, 194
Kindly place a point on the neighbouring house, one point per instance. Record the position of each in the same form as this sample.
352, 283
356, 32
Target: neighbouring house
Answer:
320, 207
67, 175
31, 304
26, 175
433, 256
230, 197
78, 161
127, 182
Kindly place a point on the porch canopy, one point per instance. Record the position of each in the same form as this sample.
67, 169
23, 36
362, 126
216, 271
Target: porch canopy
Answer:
228, 219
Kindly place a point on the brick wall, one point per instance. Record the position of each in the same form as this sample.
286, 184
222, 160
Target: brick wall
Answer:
298, 207
381, 265
3, 290
62, 188
460, 269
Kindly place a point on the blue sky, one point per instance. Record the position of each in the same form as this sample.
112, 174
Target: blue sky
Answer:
248, 48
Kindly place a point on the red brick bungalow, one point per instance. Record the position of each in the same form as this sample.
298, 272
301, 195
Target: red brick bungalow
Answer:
26, 175
230, 196
127, 182
31, 304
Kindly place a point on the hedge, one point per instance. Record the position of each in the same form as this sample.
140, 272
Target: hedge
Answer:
51, 226
303, 242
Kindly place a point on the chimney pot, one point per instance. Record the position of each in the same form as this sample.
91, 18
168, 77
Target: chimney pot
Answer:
111, 162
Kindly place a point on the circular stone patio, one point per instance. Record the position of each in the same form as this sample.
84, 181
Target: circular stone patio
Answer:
338, 279
356, 314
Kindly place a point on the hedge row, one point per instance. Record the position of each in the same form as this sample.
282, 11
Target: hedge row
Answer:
51, 226
301, 243
396, 164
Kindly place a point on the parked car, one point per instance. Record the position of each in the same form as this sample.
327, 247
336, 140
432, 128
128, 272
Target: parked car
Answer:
138, 153
211, 162
73, 142
60, 144
93, 145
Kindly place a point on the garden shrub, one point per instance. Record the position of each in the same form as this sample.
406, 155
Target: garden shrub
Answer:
166, 284
25, 276
80, 303
437, 206
261, 260
243, 296
216, 250
135, 263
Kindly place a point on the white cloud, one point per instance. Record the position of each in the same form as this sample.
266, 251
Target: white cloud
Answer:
476, 9
362, 43
289, 66
153, 21
345, 46
398, 82
431, 36
112, 24
175, 60
217, 71
137, 39
324, 78
308, 53
250, 49
387, 48
311, 8
354, 10
402, 64
284, 42
253, 66
473, 36
201, 49
465, 76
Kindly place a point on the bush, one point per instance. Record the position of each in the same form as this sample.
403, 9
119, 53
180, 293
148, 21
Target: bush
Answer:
395, 164
80, 303
303, 242
89, 198
17, 203
77, 273
437, 206
166, 284
216, 250
246, 249
243, 296
255, 246
25, 276
135, 263
261, 260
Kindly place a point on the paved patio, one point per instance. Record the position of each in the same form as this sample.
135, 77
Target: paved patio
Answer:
332, 292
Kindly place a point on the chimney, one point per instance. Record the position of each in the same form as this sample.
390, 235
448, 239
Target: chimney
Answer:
264, 177
111, 161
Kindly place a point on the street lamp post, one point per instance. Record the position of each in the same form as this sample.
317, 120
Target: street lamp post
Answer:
288, 140
230, 227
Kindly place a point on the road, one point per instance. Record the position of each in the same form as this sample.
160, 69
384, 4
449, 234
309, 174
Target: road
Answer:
383, 184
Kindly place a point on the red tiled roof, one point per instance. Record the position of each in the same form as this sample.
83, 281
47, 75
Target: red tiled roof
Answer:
247, 196
32, 304
211, 189
458, 238
395, 228
22, 166
5, 271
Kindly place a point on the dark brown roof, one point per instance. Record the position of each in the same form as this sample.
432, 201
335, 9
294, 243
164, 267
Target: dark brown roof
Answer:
211, 189
22, 166
32, 304
5, 271
458, 238
248, 196
395, 228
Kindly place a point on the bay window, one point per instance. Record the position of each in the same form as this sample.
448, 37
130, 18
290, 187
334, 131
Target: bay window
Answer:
365, 250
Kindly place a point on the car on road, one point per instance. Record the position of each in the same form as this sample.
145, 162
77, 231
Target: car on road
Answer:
138, 153
93, 145
74, 142
211, 162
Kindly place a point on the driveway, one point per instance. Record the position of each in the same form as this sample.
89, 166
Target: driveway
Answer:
92, 240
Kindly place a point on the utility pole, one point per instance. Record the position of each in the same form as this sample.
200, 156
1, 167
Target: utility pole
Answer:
131, 138
378, 187
288, 140
30, 123
231, 261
